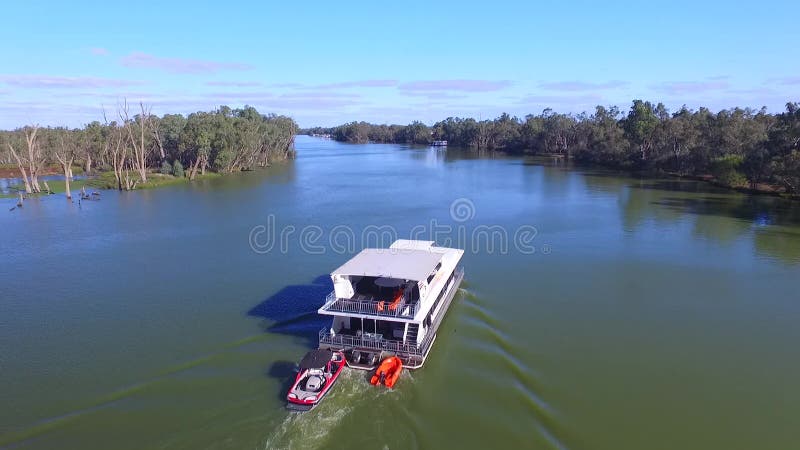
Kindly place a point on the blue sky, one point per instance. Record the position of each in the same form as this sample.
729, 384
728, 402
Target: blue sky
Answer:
326, 63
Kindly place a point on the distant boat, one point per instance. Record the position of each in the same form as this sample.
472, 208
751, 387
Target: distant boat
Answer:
439, 144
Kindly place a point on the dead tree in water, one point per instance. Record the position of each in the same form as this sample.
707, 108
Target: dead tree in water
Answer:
32, 158
137, 133
115, 147
119, 159
35, 157
21, 169
65, 152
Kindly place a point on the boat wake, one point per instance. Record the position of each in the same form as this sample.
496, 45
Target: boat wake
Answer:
310, 430
306, 430
487, 335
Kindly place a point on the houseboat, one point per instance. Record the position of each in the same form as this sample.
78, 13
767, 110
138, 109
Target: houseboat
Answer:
390, 302
439, 143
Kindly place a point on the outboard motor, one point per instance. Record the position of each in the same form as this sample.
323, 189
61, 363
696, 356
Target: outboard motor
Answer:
373, 359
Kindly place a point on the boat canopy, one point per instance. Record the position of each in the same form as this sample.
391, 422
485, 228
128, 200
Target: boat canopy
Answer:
316, 359
402, 263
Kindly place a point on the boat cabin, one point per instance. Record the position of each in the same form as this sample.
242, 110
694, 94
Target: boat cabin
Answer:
387, 299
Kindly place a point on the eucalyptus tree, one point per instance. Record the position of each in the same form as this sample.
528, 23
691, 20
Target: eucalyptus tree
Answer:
640, 126
27, 152
559, 132
605, 143
194, 142
15, 145
784, 145
66, 145
166, 132
136, 129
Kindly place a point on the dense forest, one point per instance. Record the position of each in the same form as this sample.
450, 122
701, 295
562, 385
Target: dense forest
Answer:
134, 147
737, 147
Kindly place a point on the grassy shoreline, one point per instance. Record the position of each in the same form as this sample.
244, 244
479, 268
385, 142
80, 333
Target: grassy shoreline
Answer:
764, 189
107, 181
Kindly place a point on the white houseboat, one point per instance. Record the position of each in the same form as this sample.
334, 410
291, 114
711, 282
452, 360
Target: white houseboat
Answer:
391, 302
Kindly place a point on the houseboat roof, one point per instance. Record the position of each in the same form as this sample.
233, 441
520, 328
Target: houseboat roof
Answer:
403, 263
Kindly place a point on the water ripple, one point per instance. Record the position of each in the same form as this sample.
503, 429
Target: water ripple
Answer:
488, 337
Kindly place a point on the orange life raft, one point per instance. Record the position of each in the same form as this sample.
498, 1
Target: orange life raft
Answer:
388, 372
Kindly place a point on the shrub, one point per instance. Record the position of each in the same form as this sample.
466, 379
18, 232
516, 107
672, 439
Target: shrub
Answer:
177, 169
726, 170
223, 160
166, 168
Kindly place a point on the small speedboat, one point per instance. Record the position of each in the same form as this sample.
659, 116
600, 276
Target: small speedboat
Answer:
319, 370
388, 372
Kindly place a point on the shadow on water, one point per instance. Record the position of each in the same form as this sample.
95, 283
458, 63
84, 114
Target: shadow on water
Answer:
555, 162
285, 372
691, 186
758, 211
770, 222
293, 310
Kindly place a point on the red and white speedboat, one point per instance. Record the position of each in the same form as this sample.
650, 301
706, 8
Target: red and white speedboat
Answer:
319, 370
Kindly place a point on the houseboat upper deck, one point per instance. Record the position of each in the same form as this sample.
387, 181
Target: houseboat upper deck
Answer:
391, 301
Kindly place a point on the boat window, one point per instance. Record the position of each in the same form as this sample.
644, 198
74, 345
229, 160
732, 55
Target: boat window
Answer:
433, 274
415, 292
441, 294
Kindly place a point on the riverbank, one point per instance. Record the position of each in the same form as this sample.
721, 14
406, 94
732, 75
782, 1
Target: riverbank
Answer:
106, 181
12, 171
759, 189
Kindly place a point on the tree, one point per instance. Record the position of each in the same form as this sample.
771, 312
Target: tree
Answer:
640, 126
784, 146
66, 149
136, 129
195, 141
166, 168
680, 137
94, 149
415, 133
21, 161
559, 132
605, 143
177, 169
166, 133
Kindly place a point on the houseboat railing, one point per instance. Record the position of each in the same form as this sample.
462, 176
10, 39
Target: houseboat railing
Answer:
371, 307
346, 341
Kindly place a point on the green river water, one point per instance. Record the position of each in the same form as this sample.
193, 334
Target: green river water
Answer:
639, 314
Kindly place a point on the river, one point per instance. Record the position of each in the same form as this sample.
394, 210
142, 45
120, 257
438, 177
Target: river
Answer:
643, 313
